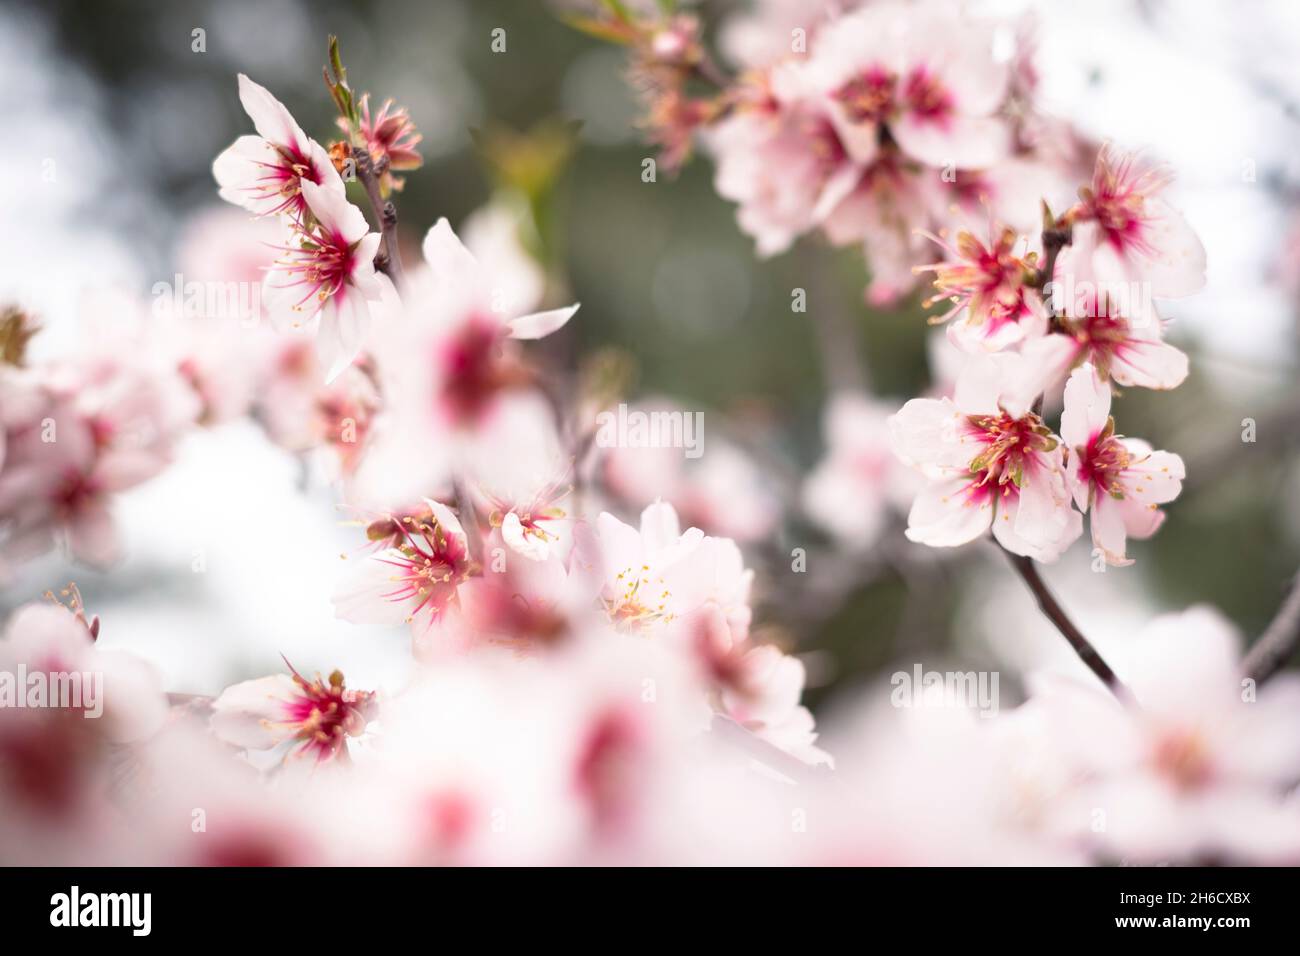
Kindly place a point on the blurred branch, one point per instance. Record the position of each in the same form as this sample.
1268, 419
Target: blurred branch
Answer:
1279, 640
469, 521
389, 259
839, 354
837, 346
1281, 424
1052, 609
1055, 238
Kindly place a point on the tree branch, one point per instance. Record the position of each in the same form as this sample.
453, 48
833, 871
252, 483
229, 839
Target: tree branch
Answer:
1279, 640
389, 259
1052, 609
469, 521
1055, 238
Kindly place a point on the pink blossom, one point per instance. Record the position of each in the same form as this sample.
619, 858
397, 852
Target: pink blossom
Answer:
301, 412
991, 461
780, 158
991, 290
415, 580
219, 365
449, 366
390, 138
192, 801
522, 478
315, 718
449, 356
532, 604
928, 75
1129, 349
1126, 233
52, 638
657, 575
265, 173
1199, 769
58, 759
723, 492
1119, 482
327, 269
881, 210
764, 696
849, 492
83, 429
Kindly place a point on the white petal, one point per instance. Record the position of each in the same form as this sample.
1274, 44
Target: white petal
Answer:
1153, 477
362, 597
1148, 363
337, 216
271, 119
1106, 521
343, 324
929, 433
449, 260
966, 142
238, 169
1178, 266
835, 190
530, 546
284, 303
1087, 407
240, 715
447, 519
660, 528
947, 514
619, 545
540, 324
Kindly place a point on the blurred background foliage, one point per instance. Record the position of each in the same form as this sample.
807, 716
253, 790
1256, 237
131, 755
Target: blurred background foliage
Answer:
661, 268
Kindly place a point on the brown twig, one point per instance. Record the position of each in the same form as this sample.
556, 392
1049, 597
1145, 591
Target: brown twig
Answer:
469, 521
834, 333
389, 258
1279, 640
1053, 611
1055, 238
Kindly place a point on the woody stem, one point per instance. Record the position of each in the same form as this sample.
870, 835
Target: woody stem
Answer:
389, 259
1052, 609
469, 521
1278, 641
1055, 238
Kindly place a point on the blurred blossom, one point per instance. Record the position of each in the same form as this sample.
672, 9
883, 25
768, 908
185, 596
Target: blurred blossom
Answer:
852, 490
722, 491
557, 648
1197, 774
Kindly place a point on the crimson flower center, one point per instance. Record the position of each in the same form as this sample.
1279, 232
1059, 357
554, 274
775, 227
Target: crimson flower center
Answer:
1008, 446
926, 96
869, 96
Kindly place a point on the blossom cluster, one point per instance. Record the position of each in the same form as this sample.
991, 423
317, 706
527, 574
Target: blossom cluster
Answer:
989, 457
608, 747
897, 127
861, 122
473, 534
76, 431
592, 679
